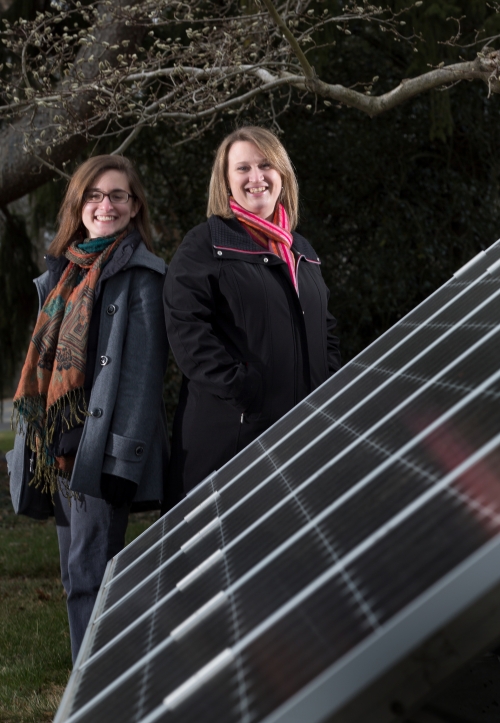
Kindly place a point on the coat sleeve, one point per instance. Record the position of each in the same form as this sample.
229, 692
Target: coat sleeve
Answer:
334, 359
140, 385
191, 295
332, 344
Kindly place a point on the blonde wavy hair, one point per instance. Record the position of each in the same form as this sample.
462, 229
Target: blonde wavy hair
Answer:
270, 147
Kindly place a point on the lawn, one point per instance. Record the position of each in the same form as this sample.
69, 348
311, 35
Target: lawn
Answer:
35, 657
6, 441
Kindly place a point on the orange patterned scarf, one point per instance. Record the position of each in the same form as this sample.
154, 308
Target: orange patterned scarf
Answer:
54, 371
274, 236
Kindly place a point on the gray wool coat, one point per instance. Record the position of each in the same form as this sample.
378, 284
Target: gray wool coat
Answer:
126, 432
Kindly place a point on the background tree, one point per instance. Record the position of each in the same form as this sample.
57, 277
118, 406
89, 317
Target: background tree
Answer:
106, 69
394, 204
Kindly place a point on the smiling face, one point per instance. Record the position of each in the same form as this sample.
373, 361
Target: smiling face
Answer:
254, 183
106, 218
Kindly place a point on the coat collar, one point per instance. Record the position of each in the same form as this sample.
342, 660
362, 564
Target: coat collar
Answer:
130, 253
142, 257
229, 233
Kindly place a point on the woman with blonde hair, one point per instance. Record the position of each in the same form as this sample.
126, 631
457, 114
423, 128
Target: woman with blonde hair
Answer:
246, 310
89, 403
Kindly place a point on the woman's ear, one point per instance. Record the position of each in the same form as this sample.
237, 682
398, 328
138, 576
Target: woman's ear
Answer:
135, 208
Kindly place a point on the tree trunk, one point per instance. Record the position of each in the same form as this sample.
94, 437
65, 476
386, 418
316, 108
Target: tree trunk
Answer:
21, 172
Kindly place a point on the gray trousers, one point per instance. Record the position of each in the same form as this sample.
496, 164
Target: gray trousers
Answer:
90, 532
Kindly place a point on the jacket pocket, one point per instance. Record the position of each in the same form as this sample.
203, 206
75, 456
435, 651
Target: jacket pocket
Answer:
255, 409
125, 457
250, 428
125, 448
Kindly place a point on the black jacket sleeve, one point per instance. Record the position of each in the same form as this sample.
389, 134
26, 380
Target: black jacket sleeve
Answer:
332, 343
190, 301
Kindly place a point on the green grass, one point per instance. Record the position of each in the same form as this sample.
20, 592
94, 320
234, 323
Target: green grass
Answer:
35, 655
6, 440
34, 640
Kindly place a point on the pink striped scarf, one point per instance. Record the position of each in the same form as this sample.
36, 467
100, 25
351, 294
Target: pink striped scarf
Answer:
274, 236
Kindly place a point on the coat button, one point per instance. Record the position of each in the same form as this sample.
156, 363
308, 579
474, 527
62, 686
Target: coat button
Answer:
111, 310
265, 259
219, 253
139, 451
97, 412
104, 360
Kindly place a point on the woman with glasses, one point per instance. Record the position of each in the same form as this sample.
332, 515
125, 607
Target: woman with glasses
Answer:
246, 310
89, 400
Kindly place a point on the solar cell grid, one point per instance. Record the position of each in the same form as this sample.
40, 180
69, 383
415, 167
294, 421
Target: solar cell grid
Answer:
142, 597
167, 525
334, 393
286, 640
411, 570
316, 537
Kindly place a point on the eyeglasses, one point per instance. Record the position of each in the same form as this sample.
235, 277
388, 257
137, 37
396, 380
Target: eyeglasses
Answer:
114, 196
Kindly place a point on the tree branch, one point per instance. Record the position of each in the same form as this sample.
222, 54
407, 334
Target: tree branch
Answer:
485, 69
128, 140
72, 83
22, 172
287, 33
52, 167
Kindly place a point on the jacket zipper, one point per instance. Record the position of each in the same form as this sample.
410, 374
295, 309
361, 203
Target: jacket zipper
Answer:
242, 418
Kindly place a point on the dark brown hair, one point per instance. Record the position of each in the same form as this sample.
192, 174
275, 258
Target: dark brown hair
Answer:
70, 213
272, 148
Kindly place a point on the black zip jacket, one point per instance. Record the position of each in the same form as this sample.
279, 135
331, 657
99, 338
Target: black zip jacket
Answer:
248, 346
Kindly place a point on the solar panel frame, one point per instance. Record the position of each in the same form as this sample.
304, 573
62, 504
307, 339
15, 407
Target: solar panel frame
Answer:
450, 597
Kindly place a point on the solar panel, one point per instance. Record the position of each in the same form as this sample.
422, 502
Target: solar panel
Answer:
341, 564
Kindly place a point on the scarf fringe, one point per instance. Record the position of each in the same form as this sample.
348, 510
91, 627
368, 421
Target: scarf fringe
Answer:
61, 336
29, 418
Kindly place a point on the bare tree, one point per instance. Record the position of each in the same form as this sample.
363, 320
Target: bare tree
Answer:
87, 72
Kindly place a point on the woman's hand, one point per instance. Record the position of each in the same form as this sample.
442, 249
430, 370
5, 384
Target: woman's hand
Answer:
117, 491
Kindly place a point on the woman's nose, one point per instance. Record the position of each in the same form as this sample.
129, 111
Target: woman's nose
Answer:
256, 174
106, 203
